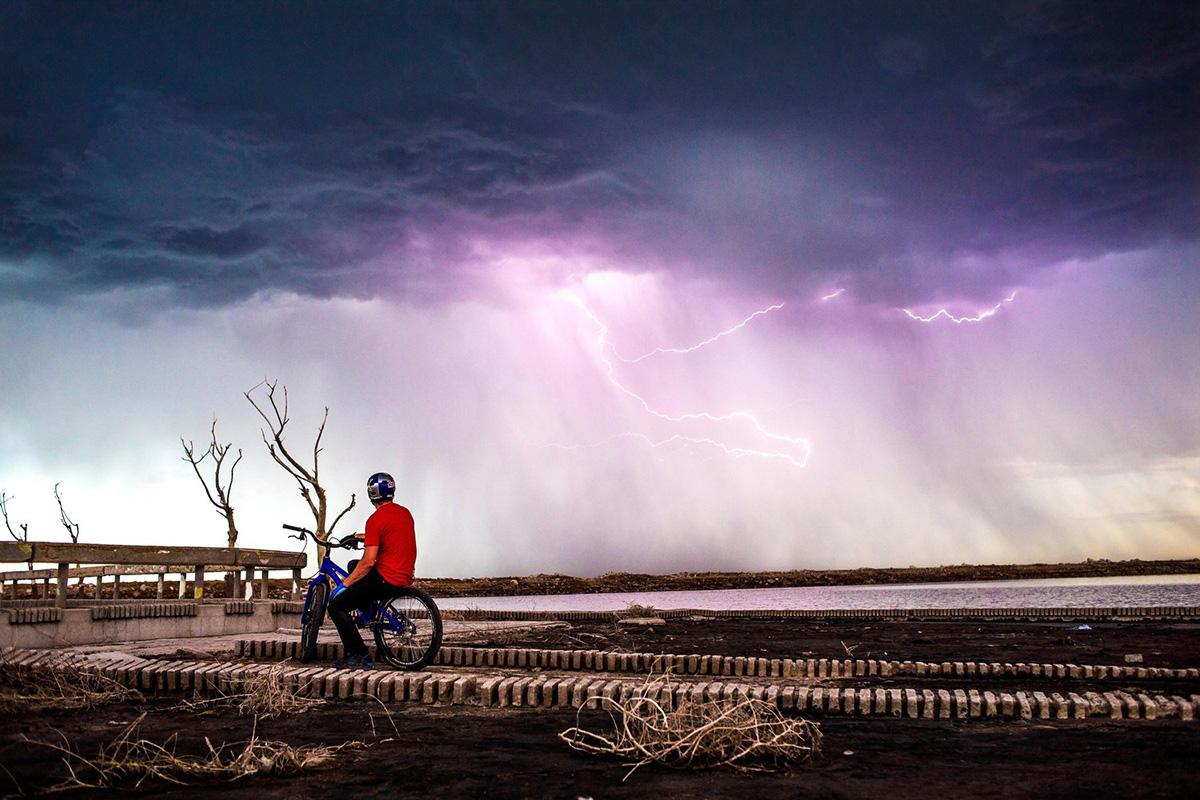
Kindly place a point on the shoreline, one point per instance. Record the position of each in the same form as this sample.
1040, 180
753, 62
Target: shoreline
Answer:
624, 582
614, 582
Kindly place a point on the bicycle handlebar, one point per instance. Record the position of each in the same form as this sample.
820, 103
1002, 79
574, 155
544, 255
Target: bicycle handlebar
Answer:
350, 542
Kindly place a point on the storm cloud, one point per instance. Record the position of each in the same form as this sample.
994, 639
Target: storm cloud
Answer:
913, 154
462, 225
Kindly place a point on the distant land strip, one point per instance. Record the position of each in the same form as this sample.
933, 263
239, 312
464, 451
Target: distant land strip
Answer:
542, 584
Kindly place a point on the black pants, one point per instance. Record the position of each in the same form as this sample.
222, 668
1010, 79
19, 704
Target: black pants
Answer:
360, 594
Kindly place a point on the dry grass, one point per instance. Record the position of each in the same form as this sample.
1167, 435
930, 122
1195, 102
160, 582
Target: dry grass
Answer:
130, 761
745, 735
266, 695
637, 611
58, 686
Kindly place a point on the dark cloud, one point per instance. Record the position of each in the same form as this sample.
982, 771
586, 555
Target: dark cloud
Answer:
203, 241
911, 152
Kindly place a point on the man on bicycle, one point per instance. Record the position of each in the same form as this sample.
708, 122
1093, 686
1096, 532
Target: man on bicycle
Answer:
389, 554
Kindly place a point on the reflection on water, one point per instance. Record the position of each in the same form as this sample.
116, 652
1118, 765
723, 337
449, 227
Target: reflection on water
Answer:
1144, 590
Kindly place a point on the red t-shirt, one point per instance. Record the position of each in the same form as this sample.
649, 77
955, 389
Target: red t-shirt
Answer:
391, 528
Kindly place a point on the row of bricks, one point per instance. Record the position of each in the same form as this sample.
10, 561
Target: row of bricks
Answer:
562, 692
142, 610
30, 612
598, 660
27, 616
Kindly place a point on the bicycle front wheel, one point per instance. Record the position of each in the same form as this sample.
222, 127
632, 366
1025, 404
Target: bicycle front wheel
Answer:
412, 637
315, 616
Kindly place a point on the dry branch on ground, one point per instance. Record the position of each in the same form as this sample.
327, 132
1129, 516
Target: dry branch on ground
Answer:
129, 761
746, 735
58, 688
264, 695
637, 611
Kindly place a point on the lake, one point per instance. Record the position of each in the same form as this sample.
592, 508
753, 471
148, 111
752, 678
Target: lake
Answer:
1143, 590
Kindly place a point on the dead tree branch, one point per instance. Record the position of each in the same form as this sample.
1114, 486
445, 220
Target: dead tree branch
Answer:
24, 535
274, 412
222, 490
72, 527
338, 518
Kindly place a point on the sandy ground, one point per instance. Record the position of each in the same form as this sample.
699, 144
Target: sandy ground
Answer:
422, 751
1158, 644
514, 753
465, 752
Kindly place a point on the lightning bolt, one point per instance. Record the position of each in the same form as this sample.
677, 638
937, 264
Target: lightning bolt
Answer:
959, 320
733, 452
683, 350
604, 345
833, 295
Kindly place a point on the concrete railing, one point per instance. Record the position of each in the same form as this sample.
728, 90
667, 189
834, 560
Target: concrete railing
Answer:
125, 559
12, 581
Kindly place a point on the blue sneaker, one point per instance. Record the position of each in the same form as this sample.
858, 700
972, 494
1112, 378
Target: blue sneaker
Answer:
356, 662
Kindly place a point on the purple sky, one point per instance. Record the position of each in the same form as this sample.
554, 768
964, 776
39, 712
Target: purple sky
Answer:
460, 226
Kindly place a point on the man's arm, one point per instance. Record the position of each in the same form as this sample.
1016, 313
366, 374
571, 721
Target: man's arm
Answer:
370, 553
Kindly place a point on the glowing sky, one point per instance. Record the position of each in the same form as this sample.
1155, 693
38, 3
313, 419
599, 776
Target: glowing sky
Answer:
643, 286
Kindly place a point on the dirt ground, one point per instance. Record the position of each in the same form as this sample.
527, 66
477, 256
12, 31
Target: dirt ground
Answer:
515, 753
1159, 644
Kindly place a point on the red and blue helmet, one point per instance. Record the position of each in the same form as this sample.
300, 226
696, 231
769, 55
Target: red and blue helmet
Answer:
381, 486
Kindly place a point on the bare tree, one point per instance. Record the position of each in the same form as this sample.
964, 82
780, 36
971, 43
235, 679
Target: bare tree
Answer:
222, 489
307, 477
24, 536
72, 527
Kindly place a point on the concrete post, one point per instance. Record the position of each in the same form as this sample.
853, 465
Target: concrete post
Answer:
250, 580
45, 588
161, 584
266, 587
64, 571
117, 586
295, 585
198, 591
182, 584
99, 580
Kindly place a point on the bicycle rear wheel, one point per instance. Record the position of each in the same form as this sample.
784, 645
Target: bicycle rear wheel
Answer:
413, 641
314, 607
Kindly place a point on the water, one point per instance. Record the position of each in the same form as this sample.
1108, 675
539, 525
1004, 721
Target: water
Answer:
1143, 590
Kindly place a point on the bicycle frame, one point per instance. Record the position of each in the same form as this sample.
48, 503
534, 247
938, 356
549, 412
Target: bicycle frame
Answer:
331, 573
398, 638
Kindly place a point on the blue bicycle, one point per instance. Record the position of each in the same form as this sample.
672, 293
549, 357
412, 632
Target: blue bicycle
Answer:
407, 628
